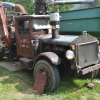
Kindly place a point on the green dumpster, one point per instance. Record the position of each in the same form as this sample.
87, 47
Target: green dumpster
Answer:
76, 21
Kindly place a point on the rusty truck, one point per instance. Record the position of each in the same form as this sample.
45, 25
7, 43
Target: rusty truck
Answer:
36, 42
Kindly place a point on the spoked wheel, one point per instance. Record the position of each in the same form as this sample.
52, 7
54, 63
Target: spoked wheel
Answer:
52, 73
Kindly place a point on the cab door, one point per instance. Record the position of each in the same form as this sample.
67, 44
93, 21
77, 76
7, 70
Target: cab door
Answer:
23, 38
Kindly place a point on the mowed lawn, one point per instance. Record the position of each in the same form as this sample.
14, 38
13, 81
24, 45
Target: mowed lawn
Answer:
14, 88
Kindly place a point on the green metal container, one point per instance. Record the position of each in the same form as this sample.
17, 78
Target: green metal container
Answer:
76, 21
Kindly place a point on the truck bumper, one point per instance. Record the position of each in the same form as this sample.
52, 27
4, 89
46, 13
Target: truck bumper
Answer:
90, 69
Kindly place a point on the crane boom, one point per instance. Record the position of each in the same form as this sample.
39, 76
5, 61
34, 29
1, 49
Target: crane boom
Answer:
41, 6
53, 2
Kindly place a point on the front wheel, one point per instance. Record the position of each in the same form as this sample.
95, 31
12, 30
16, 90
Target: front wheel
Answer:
52, 73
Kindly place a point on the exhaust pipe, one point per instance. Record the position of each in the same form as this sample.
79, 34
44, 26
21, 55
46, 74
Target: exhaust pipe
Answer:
54, 21
53, 2
17, 7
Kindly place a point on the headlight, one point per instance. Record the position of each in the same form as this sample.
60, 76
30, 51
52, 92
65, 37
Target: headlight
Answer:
69, 54
98, 49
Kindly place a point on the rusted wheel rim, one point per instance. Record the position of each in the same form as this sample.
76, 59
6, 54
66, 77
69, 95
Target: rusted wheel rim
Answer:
43, 69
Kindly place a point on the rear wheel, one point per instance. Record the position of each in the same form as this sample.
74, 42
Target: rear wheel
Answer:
52, 73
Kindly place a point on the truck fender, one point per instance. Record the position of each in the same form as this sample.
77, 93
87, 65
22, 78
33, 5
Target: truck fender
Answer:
52, 57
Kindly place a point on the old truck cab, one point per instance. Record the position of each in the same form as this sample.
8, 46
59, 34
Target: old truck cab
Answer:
29, 28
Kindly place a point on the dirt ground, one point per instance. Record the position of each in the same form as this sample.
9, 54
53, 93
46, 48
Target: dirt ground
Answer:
12, 66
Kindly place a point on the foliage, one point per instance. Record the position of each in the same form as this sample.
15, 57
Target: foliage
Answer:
61, 8
96, 3
29, 5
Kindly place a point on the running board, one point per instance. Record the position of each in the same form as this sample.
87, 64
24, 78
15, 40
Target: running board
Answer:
26, 62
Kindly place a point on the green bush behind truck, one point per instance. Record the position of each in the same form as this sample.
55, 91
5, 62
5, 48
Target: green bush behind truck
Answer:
76, 21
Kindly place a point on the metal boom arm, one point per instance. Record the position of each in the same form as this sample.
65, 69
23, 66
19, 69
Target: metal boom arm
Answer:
41, 6
53, 2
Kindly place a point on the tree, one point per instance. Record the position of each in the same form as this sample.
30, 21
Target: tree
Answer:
29, 6
61, 8
96, 3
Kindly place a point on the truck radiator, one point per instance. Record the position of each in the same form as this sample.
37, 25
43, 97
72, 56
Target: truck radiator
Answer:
87, 54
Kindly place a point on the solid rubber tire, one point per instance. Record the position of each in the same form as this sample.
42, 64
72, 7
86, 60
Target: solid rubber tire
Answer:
54, 74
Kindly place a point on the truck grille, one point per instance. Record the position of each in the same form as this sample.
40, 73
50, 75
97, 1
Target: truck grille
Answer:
87, 54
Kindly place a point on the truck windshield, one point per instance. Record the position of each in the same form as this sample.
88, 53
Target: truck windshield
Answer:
85, 6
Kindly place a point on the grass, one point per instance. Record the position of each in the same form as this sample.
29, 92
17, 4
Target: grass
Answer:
13, 88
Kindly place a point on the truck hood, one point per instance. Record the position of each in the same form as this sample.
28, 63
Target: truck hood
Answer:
61, 40
68, 40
